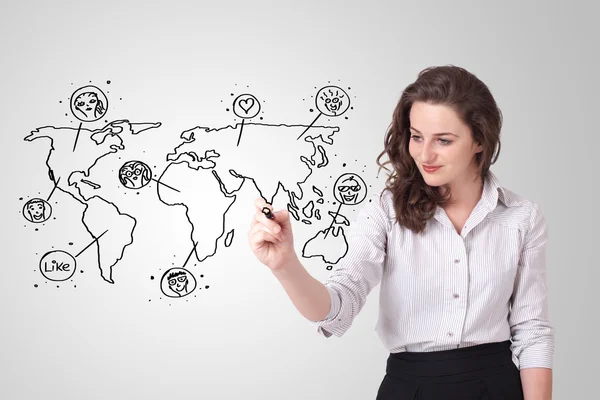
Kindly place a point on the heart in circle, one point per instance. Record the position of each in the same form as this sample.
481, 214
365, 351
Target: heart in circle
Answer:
248, 103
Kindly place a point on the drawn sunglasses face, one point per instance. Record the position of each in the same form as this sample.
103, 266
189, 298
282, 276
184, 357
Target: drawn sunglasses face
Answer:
350, 189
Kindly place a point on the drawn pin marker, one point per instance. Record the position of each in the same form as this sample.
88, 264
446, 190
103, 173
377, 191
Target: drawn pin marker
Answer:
331, 101
88, 104
93, 241
349, 189
137, 174
245, 106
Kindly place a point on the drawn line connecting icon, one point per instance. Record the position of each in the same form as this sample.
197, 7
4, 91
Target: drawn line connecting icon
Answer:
88, 104
331, 101
58, 265
245, 106
349, 189
137, 174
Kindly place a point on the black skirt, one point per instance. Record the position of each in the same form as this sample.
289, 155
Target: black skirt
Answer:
482, 372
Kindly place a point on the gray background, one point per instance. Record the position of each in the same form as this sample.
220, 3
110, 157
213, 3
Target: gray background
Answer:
174, 62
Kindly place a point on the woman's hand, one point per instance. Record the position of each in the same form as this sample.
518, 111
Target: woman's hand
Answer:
271, 240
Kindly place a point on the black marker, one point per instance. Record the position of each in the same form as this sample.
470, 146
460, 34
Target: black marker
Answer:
268, 213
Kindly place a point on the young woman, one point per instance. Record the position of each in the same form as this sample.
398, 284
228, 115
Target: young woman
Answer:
461, 259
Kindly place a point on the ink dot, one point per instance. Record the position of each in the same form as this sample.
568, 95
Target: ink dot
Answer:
150, 300
20, 198
36, 229
227, 109
120, 98
81, 271
108, 82
57, 286
75, 286
344, 164
311, 110
151, 277
206, 287
60, 101
346, 117
232, 94
36, 285
201, 276
70, 243
261, 118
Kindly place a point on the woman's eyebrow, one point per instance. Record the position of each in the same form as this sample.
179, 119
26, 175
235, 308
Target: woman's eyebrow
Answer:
435, 134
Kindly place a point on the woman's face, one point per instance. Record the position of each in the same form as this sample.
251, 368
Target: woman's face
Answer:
454, 151
86, 103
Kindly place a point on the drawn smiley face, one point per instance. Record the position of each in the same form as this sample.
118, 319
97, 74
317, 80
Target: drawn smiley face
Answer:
350, 189
37, 210
332, 101
177, 282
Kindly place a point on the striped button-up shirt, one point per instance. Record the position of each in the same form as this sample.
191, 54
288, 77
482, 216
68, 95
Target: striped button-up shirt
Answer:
442, 290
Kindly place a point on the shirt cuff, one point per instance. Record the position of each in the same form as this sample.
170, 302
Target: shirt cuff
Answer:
327, 326
538, 355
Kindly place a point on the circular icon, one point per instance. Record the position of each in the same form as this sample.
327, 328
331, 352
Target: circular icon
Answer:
332, 101
246, 106
37, 210
89, 103
350, 189
135, 174
57, 265
177, 282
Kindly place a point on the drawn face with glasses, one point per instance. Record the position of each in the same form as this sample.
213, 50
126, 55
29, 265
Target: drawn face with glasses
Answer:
350, 189
178, 282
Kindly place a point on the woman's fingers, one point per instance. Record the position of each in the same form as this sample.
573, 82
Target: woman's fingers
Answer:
274, 227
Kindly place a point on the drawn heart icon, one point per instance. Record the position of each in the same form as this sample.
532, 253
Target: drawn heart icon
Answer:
247, 104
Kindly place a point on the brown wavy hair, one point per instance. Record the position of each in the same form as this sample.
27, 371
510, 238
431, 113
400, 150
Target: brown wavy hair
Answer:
415, 201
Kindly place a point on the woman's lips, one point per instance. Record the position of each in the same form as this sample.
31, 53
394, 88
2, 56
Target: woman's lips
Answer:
431, 169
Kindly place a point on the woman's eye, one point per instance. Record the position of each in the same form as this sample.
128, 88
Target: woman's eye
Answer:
444, 141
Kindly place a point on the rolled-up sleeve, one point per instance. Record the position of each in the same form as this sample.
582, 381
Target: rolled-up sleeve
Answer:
532, 334
359, 270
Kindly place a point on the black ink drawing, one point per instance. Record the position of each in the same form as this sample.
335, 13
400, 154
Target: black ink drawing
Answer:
57, 265
245, 106
331, 101
136, 174
349, 189
177, 283
37, 210
70, 172
88, 104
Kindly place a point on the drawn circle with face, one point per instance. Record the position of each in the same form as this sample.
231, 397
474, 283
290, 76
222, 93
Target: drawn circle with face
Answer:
350, 189
177, 282
89, 103
57, 265
37, 210
332, 101
246, 106
135, 174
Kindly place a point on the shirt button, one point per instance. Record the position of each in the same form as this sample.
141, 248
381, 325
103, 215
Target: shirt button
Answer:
450, 334
456, 295
456, 261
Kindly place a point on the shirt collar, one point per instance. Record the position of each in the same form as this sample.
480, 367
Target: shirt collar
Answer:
491, 194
